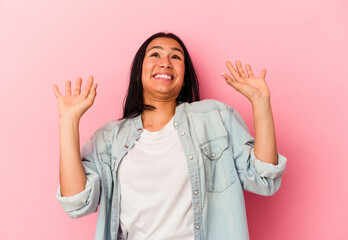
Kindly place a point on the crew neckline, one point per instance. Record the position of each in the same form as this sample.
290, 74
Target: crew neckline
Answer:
165, 132
163, 129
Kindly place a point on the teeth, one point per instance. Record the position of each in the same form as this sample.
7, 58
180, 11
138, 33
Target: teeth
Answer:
163, 76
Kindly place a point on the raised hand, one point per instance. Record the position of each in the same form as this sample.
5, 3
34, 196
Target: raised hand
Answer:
74, 105
254, 88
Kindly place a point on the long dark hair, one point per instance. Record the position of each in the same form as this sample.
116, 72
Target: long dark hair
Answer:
134, 102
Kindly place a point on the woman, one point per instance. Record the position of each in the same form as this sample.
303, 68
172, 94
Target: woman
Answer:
173, 167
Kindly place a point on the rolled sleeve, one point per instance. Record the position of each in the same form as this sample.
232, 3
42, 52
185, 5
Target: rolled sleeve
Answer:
255, 176
84, 202
87, 201
268, 170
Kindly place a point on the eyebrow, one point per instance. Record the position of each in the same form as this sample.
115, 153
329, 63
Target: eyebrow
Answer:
159, 47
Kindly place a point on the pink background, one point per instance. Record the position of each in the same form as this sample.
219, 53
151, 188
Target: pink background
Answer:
302, 44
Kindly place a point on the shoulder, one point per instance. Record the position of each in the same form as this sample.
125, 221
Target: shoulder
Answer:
115, 125
112, 128
208, 120
207, 105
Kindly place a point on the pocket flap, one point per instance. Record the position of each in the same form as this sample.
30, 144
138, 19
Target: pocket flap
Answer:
214, 149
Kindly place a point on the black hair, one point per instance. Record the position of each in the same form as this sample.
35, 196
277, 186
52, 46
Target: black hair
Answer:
134, 102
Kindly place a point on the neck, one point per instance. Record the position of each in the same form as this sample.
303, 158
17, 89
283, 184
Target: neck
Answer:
155, 120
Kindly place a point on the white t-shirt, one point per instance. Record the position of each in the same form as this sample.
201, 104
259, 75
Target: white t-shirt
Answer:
156, 198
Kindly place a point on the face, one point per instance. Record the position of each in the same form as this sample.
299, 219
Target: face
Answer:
163, 70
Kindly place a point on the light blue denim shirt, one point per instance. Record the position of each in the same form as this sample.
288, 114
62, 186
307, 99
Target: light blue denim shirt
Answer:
220, 160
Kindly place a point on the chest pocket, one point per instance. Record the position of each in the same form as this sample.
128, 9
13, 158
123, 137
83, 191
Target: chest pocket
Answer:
218, 165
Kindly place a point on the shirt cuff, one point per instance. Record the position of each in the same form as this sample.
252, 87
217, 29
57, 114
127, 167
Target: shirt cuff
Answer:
268, 170
75, 202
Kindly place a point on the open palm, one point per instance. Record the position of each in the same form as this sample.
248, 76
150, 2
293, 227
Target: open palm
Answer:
254, 88
75, 104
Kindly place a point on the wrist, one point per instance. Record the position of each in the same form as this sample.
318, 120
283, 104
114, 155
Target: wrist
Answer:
262, 101
64, 119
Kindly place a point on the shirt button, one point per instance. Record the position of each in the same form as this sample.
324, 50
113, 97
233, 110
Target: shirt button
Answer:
190, 157
197, 227
213, 155
126, 146
183, 133
196, 192
139, 129
175, 124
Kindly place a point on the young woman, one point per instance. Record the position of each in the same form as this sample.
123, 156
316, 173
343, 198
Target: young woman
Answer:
174, 167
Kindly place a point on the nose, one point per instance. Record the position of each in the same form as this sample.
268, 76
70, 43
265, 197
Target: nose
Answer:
165, 63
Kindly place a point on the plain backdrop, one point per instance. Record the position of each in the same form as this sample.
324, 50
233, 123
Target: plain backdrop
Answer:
301, 43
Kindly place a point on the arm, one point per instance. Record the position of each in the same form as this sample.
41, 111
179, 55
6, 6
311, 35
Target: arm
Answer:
72, 177
256, 90
71, 108
256, 176
265, 147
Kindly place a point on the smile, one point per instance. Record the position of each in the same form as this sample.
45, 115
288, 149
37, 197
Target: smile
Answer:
163, 76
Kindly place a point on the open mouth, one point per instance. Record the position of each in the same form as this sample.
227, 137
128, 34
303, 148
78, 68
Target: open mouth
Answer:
163, 76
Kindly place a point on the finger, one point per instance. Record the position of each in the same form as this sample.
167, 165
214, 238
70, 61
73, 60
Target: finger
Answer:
263, 74
67, 88
56, 91
240, 69
233, 71
249, 71
92, 93
231, 81
77, 89
87, 88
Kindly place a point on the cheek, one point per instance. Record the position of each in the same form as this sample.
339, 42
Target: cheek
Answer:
182, 69
146, 71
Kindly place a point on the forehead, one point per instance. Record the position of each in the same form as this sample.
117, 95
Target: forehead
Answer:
165, 43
